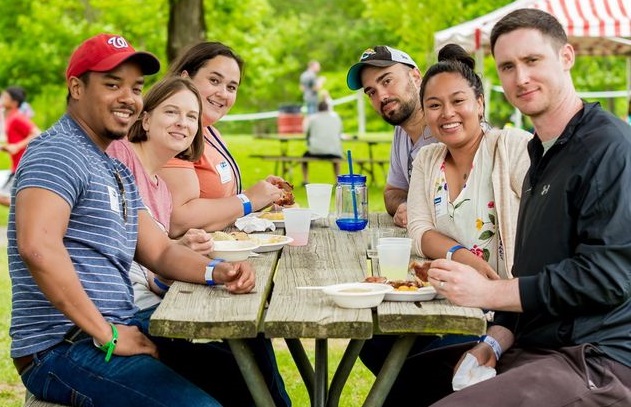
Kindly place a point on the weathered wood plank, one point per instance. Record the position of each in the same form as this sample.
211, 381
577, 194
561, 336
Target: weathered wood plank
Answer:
201, 312
31, 401
429, 317
332, 256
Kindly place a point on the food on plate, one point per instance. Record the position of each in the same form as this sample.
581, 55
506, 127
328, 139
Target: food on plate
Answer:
404, 285
272, 216
268, 239
219, 236
287, 193
420, 271
398, 285
375, 279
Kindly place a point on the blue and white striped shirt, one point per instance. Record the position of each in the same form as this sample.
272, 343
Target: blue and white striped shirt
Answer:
101, 244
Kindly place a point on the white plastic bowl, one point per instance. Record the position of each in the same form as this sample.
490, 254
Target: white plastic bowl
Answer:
357, 295
233, 250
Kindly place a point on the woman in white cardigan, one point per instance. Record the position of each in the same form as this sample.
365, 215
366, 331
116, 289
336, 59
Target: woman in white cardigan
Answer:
464, 191
462, 203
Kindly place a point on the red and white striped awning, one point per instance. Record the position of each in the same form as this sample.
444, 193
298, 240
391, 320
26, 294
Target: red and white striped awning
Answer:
594, 27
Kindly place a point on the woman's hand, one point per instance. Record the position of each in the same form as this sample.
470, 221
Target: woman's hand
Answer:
198, 240
263, 194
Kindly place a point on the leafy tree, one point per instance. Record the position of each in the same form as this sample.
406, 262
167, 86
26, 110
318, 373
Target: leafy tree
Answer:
276, 38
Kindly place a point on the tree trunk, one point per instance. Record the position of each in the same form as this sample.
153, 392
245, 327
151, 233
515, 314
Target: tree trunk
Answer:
186, 25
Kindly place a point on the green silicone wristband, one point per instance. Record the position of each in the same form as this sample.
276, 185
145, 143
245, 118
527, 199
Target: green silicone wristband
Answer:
109, 347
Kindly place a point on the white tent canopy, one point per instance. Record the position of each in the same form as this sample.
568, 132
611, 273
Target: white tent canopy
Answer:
594, 27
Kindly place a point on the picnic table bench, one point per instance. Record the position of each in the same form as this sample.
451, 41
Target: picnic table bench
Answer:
285, 164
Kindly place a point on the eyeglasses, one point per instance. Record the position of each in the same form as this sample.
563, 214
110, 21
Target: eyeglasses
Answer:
121, 193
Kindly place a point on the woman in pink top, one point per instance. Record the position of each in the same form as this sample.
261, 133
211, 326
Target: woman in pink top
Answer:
170, 126
208, 194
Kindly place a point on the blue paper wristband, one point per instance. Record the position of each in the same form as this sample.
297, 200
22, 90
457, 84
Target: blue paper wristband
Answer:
160, 284
208, 275
452, 250
247, 205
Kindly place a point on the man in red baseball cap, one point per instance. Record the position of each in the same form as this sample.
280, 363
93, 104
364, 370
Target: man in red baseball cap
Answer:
105, 52
81, 222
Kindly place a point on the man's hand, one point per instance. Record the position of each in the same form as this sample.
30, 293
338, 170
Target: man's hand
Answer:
401, 215
133, 342
238, 278
461, 284
465, 286
483, 353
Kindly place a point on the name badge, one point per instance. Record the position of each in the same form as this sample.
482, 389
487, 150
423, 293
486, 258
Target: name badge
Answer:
113, 194
224, 171
440, 206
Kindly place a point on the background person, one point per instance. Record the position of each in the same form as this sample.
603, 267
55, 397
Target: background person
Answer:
208, 194
310, 85
170, 126
391, 80
324, 138
72, 304
19, 131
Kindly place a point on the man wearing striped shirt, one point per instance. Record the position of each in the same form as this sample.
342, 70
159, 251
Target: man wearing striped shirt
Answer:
76, 223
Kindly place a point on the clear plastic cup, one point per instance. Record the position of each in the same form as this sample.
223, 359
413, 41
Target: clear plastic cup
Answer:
373, 236
297, 225
395, 240
394, 259
319, 198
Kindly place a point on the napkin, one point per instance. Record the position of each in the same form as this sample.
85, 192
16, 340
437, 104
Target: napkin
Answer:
470, 372
249, 224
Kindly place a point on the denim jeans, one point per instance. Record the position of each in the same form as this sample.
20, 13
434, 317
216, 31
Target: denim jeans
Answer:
213, 367
76, 374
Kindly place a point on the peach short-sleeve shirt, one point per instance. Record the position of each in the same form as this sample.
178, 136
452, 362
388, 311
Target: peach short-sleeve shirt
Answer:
217, 171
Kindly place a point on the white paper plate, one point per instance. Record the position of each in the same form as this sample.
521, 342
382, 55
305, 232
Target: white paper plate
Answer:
422, 294
280, 223
268, 242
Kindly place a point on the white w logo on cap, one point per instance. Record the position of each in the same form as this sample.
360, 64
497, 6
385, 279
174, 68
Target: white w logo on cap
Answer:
118, 42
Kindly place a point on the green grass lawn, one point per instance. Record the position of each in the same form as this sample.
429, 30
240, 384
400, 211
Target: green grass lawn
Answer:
11, 389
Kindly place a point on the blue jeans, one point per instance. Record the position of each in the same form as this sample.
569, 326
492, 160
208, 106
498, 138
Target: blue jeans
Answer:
76, 374
213, 367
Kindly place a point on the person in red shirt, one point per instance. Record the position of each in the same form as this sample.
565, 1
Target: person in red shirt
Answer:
19, 131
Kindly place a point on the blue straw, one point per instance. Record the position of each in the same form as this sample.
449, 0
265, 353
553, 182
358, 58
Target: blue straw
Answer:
350, 170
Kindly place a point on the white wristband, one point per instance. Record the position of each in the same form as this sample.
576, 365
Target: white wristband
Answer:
494, 344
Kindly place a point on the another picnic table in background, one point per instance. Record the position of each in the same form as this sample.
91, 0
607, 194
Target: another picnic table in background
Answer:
285, 163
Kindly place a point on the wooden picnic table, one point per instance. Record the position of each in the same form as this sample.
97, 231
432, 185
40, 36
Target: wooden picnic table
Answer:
279, 310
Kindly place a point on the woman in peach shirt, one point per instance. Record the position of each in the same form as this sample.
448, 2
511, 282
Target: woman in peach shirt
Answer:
208, 194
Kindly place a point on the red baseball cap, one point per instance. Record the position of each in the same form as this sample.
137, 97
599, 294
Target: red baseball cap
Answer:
105, 52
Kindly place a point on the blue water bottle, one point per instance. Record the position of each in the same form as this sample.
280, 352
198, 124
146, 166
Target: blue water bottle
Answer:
351, 202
